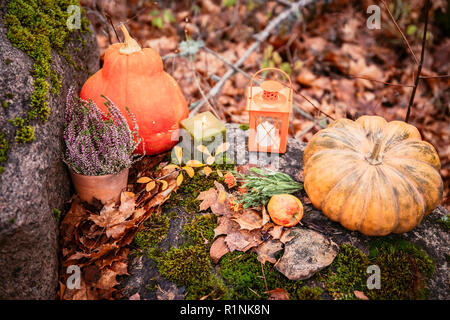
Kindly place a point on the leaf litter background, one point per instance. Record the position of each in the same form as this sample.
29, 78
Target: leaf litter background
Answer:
322, 52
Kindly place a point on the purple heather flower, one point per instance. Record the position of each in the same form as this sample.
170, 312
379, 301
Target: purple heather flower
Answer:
98, 143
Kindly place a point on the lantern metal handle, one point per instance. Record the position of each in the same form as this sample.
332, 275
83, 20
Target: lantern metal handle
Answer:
273, 69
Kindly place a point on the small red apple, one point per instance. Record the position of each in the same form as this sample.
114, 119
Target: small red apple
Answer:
285, 210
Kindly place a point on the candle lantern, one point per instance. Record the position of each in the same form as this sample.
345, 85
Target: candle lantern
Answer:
269, 106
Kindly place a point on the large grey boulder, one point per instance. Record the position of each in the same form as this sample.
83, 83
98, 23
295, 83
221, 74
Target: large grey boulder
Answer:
35, 180
314, 244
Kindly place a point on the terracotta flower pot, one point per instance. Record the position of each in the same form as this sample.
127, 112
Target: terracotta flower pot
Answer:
104, 188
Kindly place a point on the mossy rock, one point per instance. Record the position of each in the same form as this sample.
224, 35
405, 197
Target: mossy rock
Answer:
35, 75
178, 263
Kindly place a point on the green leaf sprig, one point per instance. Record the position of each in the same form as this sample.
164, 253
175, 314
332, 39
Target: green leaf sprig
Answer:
261, 185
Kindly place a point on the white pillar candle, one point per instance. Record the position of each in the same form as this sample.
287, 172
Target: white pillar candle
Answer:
267, 135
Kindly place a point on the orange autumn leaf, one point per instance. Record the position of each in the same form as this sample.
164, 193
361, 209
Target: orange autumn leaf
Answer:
144, 180
180, 179
189, 171
150, 186
207, 171
164, 185
194, 164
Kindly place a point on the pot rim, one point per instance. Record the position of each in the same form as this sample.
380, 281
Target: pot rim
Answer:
102, 175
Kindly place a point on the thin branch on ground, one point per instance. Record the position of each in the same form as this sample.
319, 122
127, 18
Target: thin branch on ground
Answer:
379, 81
260, 37
419, 68
435, 77
400, 30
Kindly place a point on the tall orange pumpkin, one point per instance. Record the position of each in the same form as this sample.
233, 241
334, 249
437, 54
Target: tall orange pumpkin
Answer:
133, 77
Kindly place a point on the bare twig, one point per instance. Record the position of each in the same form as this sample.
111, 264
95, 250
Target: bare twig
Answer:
379, 81
264, 276
435, 77
260, 37
419, 68
400, 30
228, 63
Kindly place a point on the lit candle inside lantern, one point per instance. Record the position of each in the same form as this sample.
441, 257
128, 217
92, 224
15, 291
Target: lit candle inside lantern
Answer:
267, 135
203, 126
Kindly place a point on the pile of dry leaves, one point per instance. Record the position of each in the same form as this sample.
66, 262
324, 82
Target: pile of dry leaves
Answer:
241, 229
95, 238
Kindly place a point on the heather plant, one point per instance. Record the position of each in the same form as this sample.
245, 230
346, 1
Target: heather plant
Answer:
98, 143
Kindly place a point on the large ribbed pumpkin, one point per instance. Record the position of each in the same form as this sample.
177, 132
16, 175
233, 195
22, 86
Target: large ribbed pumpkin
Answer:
371, 175
134, 77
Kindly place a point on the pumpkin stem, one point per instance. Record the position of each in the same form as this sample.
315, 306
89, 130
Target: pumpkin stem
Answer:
375, 156
129, 44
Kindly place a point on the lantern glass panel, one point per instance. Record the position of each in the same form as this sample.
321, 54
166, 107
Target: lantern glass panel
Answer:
268, 131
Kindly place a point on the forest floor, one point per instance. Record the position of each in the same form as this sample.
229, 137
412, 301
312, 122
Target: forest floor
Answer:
327, 50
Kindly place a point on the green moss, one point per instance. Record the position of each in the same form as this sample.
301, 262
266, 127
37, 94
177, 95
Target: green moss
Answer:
36, 27
307, 293
242, 272
404, 268
187, 193
55, 79
57, 214
3, 151
8, 62
244, 127
9, 95
445, 222
154, 231
347, 273
4, 104
24, 132
185, 266
201, 229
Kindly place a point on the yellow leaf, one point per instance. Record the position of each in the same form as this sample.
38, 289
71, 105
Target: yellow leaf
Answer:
189, 171
222, 197
203, 149
222, 148
178, 153
164, 184
194, 164
144, 180
219, 173
210, 160
171, 166
180, 179
129, 194
124, 196
150, 186
207, 171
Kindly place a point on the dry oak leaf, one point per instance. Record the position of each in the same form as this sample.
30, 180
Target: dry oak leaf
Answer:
207, 198
360, 295
236, 241
278, 294
243, 240
218, 249
250, 219
110, 215
225, 226
276, 232
268, 250
107, 279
